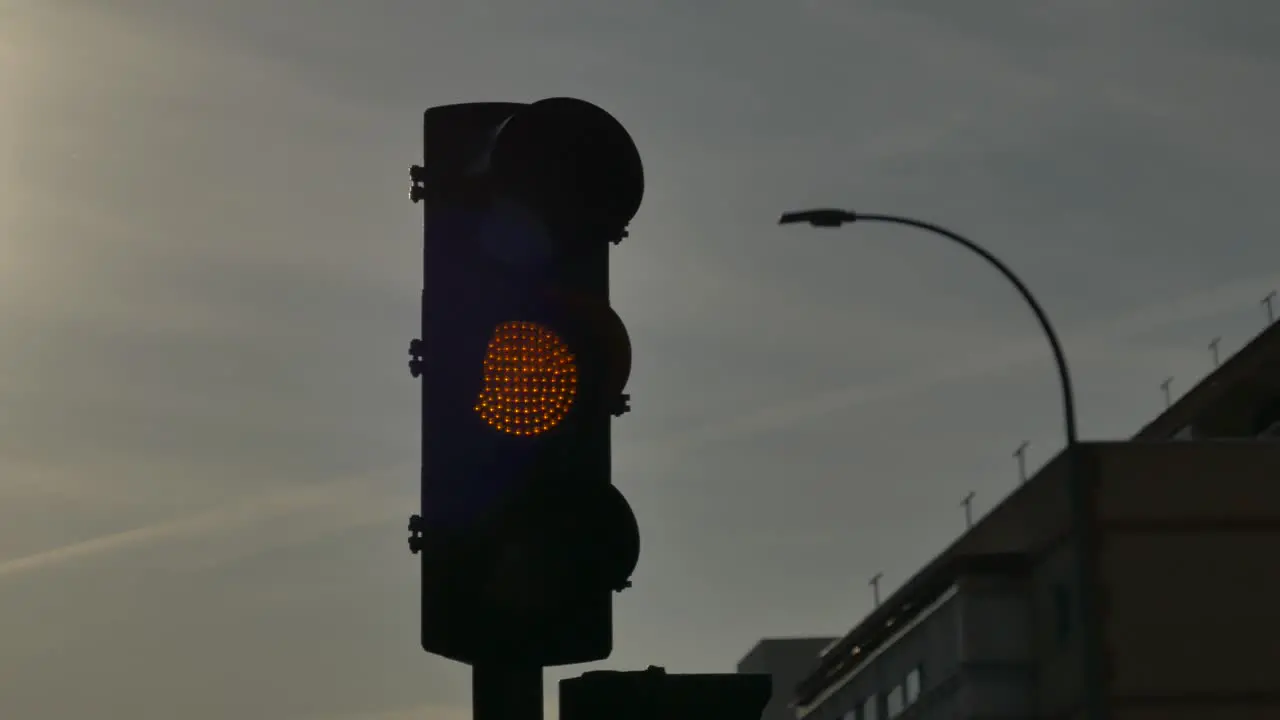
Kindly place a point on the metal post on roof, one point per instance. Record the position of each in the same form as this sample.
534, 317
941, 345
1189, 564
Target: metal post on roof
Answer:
967, 503
1271, 311
1021, 455
1213, 348
875, 588
1168, 396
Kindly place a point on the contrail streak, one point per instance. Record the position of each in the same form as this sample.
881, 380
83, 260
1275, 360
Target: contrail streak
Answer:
342, 496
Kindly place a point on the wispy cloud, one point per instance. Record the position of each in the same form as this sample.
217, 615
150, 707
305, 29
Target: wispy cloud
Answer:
208, 278
328, 508
1097, 340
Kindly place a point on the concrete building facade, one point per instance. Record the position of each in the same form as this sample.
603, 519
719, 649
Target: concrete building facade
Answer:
1184, 523
787, 661
1187, 535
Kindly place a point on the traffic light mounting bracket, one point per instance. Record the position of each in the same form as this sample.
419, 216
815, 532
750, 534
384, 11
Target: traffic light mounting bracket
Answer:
416, 351
621, 406
415, 534
417, 184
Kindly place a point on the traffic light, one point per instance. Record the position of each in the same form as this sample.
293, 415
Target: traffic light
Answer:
655, 695
523, 363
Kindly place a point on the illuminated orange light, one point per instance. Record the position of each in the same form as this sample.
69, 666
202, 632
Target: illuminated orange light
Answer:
530, 380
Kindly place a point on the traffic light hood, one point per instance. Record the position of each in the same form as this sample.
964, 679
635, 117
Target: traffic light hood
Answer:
564, 155
602, 339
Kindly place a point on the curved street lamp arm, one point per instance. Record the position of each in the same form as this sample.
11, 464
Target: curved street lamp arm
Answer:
835, 218
1059, 357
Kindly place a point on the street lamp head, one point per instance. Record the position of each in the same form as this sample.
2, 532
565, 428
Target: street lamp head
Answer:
823, 217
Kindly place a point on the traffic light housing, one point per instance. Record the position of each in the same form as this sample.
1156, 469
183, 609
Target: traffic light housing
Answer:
523, 362
654, 694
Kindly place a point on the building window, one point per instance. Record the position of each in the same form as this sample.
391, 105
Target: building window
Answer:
1061, 611
870, 708
851, 714
913, 685
895, 703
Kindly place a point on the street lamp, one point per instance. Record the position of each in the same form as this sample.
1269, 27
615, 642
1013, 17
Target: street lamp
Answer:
836, 218
1093, 658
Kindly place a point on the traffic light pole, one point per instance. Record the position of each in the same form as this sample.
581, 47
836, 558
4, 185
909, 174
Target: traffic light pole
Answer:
506, 692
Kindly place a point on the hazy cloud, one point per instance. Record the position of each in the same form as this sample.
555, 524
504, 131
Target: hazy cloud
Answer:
209, 278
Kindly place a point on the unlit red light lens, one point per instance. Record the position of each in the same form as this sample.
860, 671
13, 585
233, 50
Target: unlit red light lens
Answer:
530, 380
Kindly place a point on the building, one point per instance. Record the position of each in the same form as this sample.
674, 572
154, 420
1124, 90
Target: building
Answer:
1240, 399
787, 661
1182, 532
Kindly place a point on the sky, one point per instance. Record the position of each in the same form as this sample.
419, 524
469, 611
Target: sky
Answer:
208, 436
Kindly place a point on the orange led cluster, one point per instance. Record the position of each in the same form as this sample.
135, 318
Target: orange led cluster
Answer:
530, 380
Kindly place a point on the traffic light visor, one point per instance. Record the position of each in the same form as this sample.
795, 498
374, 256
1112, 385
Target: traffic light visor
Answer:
530, 380
570, 153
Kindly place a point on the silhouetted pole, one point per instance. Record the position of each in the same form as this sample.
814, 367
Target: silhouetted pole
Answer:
967, 504
1213, 348
875, 588
1168, 394
1271, 311
1093, 657
505, 692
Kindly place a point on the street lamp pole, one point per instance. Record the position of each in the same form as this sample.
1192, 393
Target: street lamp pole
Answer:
837, 218
1093, 657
